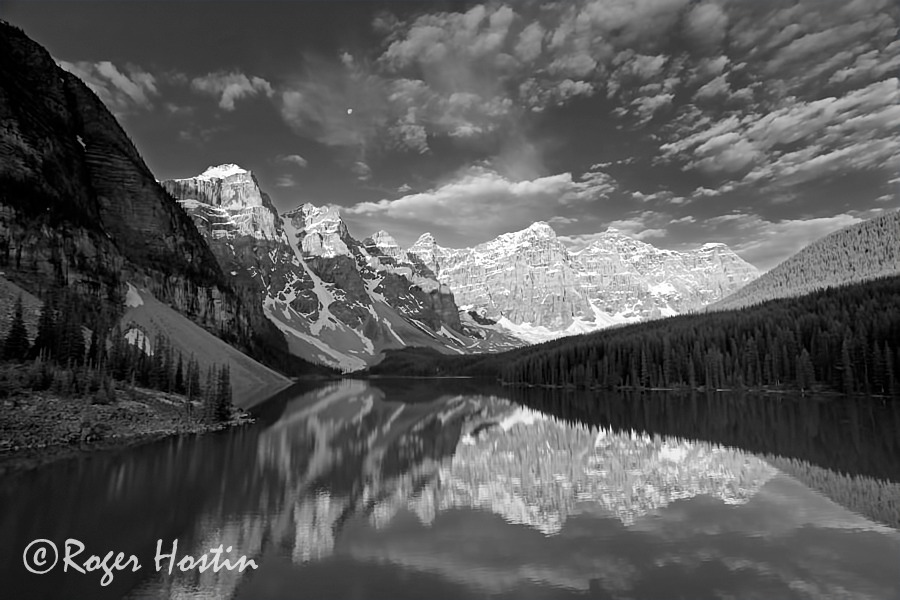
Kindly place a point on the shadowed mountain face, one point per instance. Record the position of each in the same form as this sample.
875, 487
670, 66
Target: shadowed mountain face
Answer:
453, 489
80, 208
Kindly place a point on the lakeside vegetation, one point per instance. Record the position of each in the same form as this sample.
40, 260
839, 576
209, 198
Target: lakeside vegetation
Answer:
844, 339
81, 381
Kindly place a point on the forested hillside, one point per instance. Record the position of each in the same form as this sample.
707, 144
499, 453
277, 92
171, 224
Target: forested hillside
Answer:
857, 253
843, 339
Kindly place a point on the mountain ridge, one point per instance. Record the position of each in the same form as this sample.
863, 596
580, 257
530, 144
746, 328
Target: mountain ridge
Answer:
551, 290
337, 300
859, 252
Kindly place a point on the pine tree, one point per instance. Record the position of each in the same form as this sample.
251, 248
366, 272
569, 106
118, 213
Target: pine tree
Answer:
223, 395
46, 340
847, 367
16, 346
209, 397
806, 374
179, 375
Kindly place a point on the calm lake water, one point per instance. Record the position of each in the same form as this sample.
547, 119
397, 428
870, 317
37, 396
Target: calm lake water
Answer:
457, 489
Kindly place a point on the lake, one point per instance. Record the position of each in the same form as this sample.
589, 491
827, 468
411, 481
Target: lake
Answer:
462, 489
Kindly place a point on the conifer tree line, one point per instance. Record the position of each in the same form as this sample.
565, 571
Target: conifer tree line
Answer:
844, 339
107, 356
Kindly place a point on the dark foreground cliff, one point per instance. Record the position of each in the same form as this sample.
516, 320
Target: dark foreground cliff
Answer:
80, 210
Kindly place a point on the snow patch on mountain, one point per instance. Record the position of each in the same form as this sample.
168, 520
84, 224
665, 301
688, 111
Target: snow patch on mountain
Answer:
221, 171
133, 297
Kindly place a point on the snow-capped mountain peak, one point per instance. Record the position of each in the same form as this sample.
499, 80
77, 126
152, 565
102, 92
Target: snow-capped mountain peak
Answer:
541, 229
426, 240
230, 199
535, 285
222, 171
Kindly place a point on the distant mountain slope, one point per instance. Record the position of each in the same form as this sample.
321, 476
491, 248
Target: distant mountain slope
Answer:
534, 285
856, 253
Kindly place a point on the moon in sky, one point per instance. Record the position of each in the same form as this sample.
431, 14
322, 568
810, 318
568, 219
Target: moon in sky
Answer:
349, 111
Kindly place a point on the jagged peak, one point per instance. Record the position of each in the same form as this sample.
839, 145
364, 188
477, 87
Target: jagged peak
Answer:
541, 227
222, 171
383, 238
319, 213
426, 239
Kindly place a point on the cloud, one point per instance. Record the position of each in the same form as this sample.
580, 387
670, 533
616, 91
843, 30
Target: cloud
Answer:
362, 171
766, 243
661, 196
478, 203
801, 140
870, 65
316, 104
199, 135
123, 91
707, 24
645, 225
468, 75
178, 109
293, 159
285, 181
718, 86
231, 86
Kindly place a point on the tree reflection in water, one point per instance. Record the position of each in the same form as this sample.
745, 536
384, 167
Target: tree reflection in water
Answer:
489, 490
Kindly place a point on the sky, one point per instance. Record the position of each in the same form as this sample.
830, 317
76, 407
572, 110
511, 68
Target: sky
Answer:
762, 124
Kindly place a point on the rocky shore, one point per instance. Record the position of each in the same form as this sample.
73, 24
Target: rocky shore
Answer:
41, 427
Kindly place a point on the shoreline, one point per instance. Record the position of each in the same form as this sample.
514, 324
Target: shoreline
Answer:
39, 428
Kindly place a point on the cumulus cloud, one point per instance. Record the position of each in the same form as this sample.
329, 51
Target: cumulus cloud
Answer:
706, 23
478, 203
285, 181
362, 170
644, 226
766, 243
870, 65
293, 159
122, 90
470, 74
801, 140
231, 86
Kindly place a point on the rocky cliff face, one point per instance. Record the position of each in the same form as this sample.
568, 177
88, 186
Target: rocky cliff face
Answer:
79, 207
629, 277
533, 285
338, 301
526, 277
230, 200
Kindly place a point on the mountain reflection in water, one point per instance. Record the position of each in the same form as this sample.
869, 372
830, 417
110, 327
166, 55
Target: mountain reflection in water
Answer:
459, 489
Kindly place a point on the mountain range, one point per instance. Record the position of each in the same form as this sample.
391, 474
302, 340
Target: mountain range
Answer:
80, 209
342, 302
